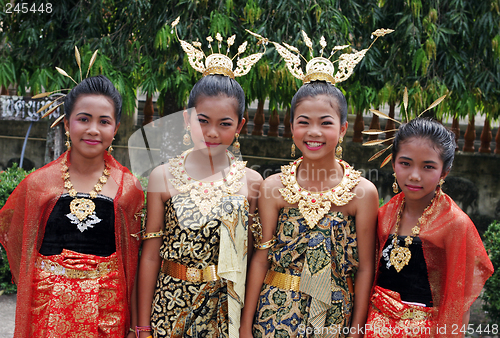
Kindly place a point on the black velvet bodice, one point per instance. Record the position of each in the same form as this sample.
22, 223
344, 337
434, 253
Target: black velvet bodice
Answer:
412, 282
61, 234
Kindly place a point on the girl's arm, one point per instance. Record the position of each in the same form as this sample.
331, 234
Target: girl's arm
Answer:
254, 180
133, 309
268, 212
150, 261
366, 223
465, 321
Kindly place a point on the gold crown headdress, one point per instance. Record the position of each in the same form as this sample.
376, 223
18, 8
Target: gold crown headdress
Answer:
384, 116
217, 63
321, 68
62, 72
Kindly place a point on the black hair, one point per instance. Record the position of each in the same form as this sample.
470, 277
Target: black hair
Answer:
316, 88
95, 85
218, 85
429, 129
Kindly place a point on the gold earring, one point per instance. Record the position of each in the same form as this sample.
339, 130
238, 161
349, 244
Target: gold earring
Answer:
338, 150
68, 142
187, 139
293, 148
441, 182
395, 187
110, 149
236, 144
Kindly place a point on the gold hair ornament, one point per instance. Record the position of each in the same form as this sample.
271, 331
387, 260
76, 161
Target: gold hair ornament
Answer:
384, 116
62, 72
218, 63
321, 68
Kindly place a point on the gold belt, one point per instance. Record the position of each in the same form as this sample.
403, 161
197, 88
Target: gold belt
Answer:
282, 280
54, 268
290, 282
183, 272
415, 314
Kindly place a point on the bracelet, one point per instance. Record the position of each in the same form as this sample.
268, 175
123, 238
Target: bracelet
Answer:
149, 235
266, 245
142, 329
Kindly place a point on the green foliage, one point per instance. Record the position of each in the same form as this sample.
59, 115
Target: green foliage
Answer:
9, 179
491, 295
438, 47
7, 72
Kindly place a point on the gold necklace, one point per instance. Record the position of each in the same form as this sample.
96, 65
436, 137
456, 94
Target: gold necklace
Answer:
314, 205
83, 209
400, 256
206, 195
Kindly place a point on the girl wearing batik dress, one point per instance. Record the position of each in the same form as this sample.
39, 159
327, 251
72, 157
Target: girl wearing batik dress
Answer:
432, 264
318, 226
67, 237
194, 258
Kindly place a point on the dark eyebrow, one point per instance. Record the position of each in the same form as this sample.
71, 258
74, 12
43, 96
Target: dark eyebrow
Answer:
322, 117
433, 162
208, 118
90, 115
405, 158
84, 113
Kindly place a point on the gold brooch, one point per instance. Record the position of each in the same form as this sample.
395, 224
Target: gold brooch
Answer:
314, 205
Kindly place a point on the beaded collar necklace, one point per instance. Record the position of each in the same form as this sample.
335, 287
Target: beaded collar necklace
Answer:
206, 194
314, 205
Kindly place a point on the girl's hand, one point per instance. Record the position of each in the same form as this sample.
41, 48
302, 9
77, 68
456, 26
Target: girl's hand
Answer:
130, 335
246, 333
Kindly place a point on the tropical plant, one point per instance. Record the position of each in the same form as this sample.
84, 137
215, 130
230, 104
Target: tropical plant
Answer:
491, 295
9, 179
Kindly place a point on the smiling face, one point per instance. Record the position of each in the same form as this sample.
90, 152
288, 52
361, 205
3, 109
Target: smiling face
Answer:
91, 125
316, 127
418, 167
213, 122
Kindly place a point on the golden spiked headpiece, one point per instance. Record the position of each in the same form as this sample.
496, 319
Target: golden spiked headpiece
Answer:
217, 63
321, 68
62, 96
384, 116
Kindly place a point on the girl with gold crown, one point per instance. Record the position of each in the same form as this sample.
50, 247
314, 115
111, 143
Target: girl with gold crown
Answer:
313, 269
193, 265
68, 237
431, 262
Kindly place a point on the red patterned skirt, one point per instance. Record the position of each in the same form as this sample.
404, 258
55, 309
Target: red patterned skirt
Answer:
78, 295
388, 316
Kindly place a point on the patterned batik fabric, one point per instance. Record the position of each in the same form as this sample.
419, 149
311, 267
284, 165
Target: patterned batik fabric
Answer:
209, 309
323, 257
78, 296
389, 317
